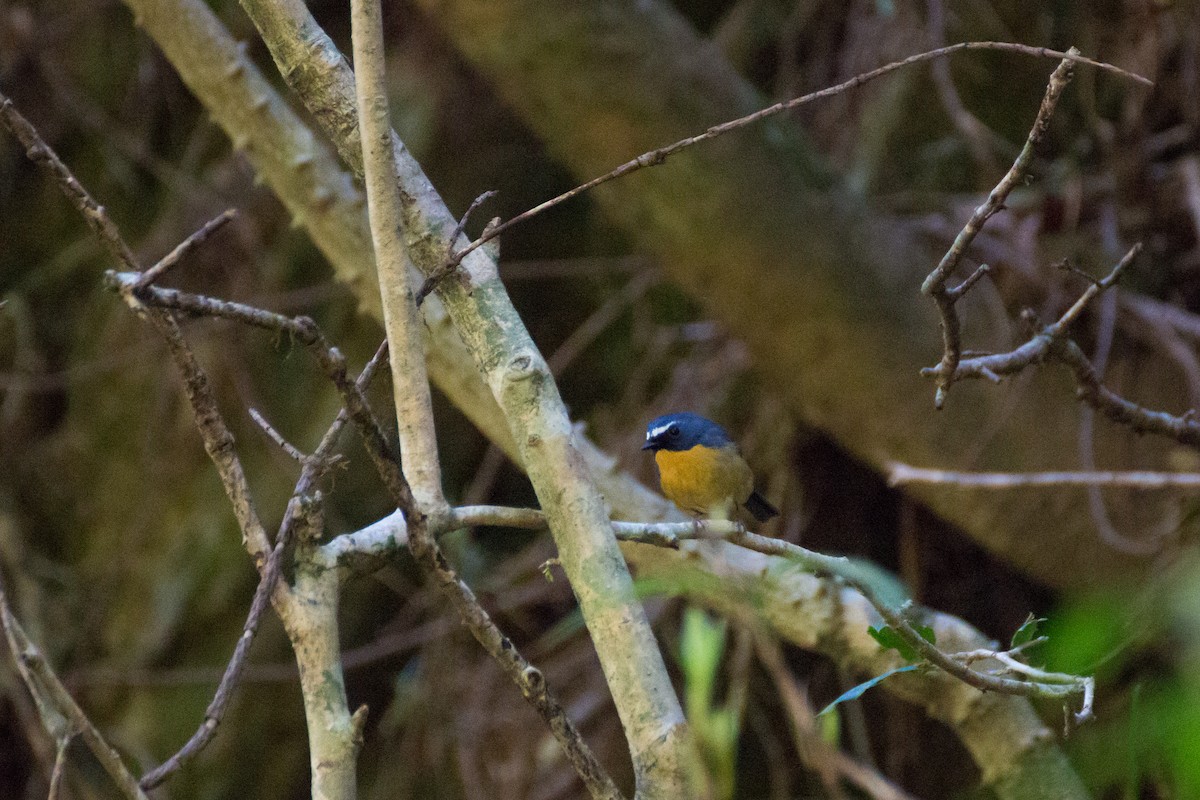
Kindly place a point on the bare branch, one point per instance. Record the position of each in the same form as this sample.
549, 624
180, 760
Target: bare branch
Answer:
60, 763
181, 251
414, 409
904, 475
94, 214
466, 217
1050, 343
276, 437
1094, 290
935, 282
322, 458
218, 440
488, 240
229, 680
1184, 428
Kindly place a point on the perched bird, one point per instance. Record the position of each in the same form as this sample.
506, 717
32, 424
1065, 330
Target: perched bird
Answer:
700, 468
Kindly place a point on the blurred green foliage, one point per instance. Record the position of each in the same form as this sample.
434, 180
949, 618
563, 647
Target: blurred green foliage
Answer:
715, 726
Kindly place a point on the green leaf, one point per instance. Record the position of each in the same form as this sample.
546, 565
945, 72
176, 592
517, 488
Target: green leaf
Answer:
830, 728
857, 691
890, 639
1028, 631
701, 646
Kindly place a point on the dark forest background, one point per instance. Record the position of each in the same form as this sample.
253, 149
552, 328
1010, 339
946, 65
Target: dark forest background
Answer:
120, 555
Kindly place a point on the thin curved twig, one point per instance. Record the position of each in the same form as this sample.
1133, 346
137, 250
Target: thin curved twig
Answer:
946, 298
659, 155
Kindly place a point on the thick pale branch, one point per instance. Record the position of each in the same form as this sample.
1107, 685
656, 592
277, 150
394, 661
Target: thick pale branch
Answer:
522, 386
413, 407
334, 734
414, 411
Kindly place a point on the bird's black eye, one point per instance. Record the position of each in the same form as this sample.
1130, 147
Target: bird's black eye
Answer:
673, 431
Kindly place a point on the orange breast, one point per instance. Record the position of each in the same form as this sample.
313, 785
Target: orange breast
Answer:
705, 480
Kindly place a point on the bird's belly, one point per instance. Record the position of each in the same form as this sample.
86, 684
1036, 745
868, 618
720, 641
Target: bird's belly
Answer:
704, 479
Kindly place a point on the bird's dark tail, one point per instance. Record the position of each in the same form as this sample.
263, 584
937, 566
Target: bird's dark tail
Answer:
757, 505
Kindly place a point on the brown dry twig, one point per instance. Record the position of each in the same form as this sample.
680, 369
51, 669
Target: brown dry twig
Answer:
181, 251
41, 154
275, 436
1057, 686
946, 297
217, 438
661, 154
215, 711
387, 464
1050, 343
218, 441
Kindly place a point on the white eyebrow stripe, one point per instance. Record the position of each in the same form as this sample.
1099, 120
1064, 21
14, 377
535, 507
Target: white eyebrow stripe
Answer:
654, 432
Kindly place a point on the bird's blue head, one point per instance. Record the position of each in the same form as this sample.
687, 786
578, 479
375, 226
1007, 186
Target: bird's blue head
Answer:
683, 432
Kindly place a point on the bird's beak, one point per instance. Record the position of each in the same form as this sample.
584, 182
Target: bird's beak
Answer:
649, 445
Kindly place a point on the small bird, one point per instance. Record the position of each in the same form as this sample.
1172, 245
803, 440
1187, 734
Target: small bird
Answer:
700, 468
